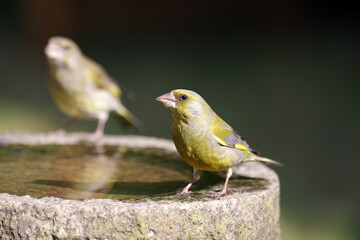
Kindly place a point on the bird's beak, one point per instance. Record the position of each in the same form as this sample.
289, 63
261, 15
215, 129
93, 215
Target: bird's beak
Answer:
168, 100
53, 51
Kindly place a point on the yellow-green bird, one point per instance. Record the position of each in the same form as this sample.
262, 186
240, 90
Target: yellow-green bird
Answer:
203, 139
81, 88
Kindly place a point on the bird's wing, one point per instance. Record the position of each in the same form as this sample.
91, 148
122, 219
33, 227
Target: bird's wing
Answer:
228, 137
101, 79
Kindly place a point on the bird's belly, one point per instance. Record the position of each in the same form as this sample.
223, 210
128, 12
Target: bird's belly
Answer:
203, 153
83, 104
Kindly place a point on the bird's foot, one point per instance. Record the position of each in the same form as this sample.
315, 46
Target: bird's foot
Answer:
60, 132
218, 194
95, 137
184, 192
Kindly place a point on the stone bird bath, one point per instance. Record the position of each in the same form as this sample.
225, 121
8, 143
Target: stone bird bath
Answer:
248, 212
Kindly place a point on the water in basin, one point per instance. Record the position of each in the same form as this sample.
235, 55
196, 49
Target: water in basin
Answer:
82, 172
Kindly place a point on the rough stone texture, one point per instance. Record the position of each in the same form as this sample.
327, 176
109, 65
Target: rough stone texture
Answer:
241, 215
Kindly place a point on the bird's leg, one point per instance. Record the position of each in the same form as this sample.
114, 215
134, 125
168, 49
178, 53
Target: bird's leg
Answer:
99, 132
62, 131
223, 190
196, 177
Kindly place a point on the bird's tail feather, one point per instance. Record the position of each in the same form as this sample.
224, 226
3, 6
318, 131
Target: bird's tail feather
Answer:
264, 160
127, 119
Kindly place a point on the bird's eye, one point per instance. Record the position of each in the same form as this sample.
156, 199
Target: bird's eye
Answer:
66, 47
184, 97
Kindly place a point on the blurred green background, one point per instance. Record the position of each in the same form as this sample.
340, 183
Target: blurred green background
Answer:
285, 75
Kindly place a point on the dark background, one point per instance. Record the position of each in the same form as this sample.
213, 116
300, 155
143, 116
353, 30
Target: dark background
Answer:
284, 74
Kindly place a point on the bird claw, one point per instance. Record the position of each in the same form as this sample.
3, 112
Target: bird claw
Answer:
94, 138
218, 194
187, 193
60, 132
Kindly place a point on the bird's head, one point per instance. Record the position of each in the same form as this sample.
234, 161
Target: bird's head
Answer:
61, 50
186, 103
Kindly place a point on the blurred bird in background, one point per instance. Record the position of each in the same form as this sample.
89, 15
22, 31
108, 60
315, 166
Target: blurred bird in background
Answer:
203, 139
82, 89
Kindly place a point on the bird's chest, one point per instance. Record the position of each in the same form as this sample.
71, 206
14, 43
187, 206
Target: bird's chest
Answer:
195, 145
69, 81
73, 93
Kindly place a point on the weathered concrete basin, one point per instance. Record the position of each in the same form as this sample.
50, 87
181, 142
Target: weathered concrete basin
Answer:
240, 215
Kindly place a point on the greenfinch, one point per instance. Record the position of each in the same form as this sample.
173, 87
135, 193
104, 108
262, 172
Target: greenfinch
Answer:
203, 139
81, 88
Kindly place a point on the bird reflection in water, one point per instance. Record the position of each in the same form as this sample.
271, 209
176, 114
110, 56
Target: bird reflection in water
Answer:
97, 176
85, 176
